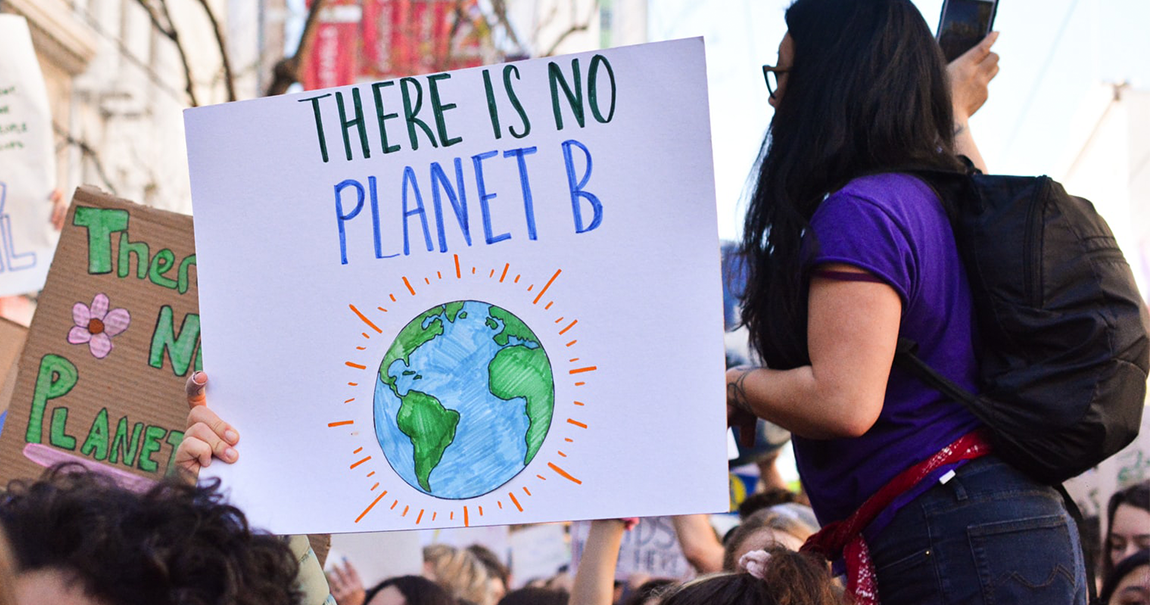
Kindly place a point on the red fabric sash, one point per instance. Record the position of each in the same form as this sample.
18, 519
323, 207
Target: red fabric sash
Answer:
844, 538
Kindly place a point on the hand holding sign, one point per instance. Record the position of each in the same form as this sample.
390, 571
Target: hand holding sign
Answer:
206, 436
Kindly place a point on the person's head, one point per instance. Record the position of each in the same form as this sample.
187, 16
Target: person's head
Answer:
1128, 524
787, 577
407, 590
498, 576
77, 535
764, 529
651, 592
458, 571
535, 595
765, 499
1129, 582
865, 90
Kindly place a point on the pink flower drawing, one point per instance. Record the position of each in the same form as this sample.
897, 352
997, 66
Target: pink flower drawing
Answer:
96, 325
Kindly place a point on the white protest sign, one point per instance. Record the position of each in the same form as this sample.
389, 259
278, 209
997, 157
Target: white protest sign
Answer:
378, 556
483, 297
538, 552
651, 548
27, 164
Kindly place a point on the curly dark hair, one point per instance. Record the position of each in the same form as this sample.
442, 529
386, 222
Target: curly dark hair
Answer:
176, 544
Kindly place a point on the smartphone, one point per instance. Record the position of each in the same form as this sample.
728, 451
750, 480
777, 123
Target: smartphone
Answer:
963, 24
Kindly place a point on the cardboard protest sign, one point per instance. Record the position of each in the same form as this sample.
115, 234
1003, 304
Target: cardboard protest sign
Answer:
482, 297
115, 333
27, 163
12, 336
651, 548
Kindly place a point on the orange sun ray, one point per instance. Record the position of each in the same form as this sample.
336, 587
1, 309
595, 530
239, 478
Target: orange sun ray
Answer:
563, 473
369, 507
365, 319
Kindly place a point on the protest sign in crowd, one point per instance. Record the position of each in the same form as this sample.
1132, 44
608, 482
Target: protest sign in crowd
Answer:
465, 331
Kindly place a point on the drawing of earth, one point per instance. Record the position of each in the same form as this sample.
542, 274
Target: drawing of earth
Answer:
464, 399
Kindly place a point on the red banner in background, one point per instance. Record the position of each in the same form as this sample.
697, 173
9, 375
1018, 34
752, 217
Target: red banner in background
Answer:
334, 58
411, 37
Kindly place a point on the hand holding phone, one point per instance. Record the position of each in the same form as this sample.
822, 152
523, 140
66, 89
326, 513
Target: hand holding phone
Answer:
963, 24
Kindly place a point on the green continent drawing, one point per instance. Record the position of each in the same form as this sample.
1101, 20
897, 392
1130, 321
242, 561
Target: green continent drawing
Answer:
431, 428
464, 399
523, 372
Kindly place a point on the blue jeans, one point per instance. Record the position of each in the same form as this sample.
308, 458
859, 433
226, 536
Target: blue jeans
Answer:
990, 535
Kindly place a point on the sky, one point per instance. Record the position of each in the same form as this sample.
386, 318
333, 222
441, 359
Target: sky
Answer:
1054, 54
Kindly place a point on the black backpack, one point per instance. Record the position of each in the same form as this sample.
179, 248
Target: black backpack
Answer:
1064, 348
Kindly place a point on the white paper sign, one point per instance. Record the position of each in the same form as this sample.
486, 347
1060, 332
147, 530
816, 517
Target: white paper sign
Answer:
454, 300
538, 552
378, 556
651, 548
27, 164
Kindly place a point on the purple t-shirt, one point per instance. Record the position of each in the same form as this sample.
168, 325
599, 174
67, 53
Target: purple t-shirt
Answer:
893, 226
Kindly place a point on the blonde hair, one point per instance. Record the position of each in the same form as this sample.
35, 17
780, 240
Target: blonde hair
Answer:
459, 572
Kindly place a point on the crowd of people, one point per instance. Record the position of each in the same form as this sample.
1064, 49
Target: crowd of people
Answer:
860, 91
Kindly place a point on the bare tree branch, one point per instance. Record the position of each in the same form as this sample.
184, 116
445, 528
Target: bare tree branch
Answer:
88, 153
499, 7
287, 70
573, 29
229, 78
169, 31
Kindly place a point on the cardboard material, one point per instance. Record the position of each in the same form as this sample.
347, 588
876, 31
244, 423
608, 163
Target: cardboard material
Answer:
101, 377
504, 309
27, 163
12, 336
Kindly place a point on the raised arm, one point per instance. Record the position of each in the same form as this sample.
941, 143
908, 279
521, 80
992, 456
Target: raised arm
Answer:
595, 578
970, 75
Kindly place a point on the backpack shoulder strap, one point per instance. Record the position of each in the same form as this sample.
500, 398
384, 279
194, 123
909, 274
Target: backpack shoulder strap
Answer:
906, 358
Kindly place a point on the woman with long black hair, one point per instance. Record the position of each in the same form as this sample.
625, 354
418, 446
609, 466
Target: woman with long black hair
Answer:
846, 255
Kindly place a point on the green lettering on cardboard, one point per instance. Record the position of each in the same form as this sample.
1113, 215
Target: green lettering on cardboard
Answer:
151, 445
182, 278
180, 348
161, 264
97, 441
175, 438
101, 224
127, 249
59, 436
574, 98
124, 444
56, 378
